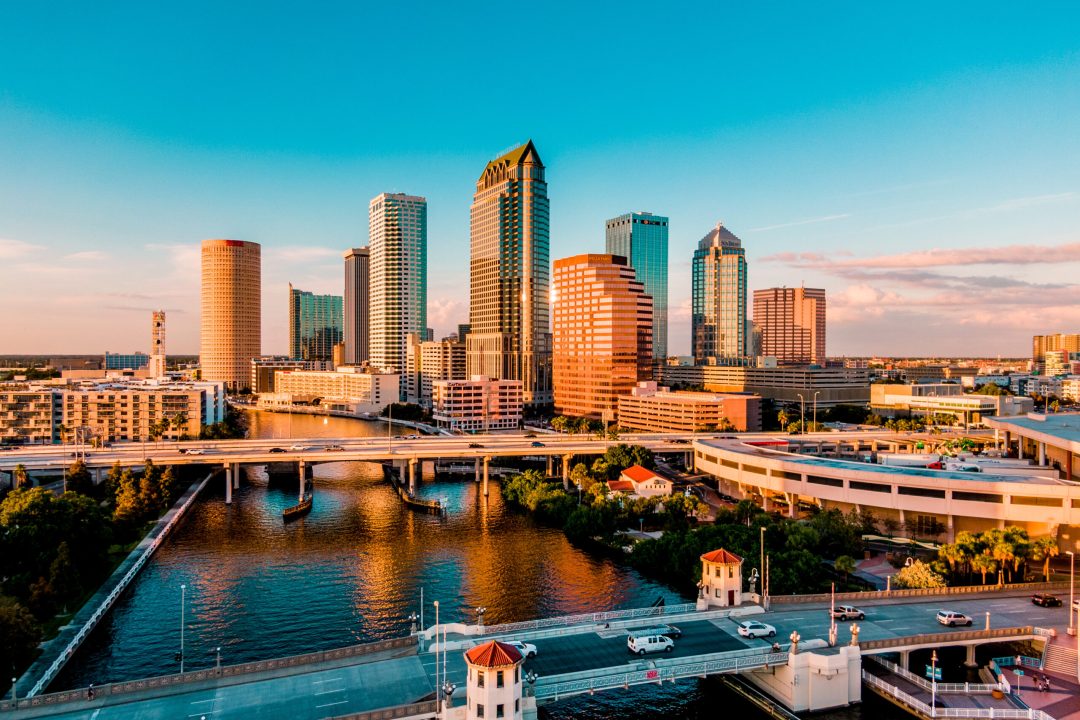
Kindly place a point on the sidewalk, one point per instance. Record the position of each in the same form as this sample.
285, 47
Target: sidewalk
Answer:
1061, 701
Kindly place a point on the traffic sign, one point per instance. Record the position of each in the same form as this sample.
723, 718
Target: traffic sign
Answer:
933, 672
1018, 671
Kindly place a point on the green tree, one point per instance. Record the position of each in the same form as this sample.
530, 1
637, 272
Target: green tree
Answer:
64, 581
19, 636
78, 479
984, 563
127, 507
845, 564
1043, 549
783, 418
20, 478
917, 575
559, 423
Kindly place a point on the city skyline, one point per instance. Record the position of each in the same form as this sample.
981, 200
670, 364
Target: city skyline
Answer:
936, 189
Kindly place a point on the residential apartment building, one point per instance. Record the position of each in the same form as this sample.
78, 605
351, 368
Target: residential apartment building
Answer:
429, 361
231, 322
642, 238
477, 405
792, 324
346, 389
29, 415
128, 411
657, 409
718, 319
357, 305
510, 275
602, 340
315, 325
398, 297
263, 369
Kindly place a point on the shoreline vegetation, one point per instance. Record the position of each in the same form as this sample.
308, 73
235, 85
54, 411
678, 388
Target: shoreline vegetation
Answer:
57, 549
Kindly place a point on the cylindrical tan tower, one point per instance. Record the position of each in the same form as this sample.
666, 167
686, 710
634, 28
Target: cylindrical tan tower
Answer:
231, 311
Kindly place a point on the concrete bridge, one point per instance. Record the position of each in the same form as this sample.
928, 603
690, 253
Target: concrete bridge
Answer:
578, 654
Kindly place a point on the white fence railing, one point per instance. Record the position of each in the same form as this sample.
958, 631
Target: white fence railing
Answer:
936, 712
589, 618
556, 687
106, 605
966, 688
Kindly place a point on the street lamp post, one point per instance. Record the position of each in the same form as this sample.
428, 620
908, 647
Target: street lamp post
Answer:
183, 589
219, 660
438, 701
933, 684
761, 543
390, 435
1072, 575
802, 413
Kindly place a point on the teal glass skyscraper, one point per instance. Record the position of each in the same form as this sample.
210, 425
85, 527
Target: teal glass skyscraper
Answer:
718, 322
315, 325
642, 238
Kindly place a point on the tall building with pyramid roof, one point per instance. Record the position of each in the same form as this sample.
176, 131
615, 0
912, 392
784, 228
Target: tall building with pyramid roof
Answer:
718, 323
510, 274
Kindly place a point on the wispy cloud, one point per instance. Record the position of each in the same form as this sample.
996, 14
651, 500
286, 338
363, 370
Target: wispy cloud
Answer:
939, 257
1022, 203
796, 223
16, 248
86, 255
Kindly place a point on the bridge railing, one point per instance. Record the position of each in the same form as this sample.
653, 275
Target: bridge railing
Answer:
164, 682
559, 686
947, 637
422, 709
924, 709
589, 618
978, 688
916, 593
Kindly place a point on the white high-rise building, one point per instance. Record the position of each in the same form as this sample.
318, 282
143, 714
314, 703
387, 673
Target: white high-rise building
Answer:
398, 228
157, 344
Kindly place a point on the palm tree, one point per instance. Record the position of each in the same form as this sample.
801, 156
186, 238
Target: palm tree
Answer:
846, 565
983, 563
1043, 549
1003, 552
954, 554
782, 417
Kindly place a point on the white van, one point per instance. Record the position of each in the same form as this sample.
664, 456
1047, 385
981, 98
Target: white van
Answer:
641, 644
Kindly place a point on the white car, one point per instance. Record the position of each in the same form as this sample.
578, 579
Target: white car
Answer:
526, 649
196, 451
953, 618
298, 448
754, 629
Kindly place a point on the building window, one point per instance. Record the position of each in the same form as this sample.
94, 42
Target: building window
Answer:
499, 711
479, 711
499, 680
730, 571
479, 678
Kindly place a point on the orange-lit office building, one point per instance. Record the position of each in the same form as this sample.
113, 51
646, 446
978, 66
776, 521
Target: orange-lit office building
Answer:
602, 344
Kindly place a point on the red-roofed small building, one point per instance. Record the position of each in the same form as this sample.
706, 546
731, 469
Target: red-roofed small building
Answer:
721, 580
493, 688
645, 482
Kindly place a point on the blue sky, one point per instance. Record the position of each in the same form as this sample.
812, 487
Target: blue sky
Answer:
920, 161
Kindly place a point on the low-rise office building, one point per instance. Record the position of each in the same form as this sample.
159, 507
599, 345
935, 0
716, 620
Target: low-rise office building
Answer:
133, 410
478, 404
429, 361
657, 409
830, 385
347, 389
263, 369
892, 400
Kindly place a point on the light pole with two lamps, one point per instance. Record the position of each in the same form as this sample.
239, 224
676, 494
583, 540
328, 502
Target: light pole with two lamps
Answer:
802, 413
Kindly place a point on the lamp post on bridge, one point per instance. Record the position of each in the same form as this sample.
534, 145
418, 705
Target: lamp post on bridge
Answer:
933, 684
183, 589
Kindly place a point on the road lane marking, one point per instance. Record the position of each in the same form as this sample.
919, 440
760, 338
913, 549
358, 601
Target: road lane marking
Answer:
339, 702
333, 679
327, 692
200, 702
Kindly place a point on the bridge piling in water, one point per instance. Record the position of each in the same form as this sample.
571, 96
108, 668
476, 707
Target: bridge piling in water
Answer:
487, 460
228, 483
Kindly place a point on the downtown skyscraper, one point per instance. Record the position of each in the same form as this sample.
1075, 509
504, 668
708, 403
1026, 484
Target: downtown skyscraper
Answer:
231, 322
398, 294
792, 324
357, 304
718, 320
642, 238
510, 275
314, 325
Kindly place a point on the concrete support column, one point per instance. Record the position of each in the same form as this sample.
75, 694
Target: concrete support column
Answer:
997, 438
766, 501
477, 478
486, 461
950, 528
905, 656
1020, 447
1042, 454
228, 484
412, 476
302, 471
566, 472
969, 659
549, 468
903, 520
793, 505
236, 476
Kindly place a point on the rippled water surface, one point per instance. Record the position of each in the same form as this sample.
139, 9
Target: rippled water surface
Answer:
352, 571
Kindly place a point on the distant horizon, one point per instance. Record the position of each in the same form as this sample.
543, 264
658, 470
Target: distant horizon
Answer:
925, 174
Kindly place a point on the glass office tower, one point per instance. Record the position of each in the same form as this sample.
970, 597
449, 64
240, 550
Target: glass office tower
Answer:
315, 325
718, 323
642, 238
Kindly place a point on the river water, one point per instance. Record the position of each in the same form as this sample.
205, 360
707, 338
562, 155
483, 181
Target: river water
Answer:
353, 570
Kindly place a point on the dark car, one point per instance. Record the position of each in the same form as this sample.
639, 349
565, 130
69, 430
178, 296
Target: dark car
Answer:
680, 441
530, 435
475, 445
537, 443
277, 450
1046, 600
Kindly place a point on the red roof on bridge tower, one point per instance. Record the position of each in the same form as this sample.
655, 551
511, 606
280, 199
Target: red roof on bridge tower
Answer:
493, 654
722, 557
